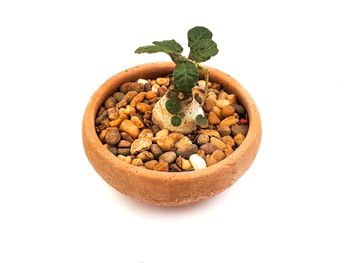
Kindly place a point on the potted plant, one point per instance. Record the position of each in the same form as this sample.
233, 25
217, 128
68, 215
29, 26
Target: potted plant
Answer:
172, 133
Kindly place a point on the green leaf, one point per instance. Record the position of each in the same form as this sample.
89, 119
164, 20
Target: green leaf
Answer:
166, 46
171, 45
185, 76
175, 121
196, 34
198, 98
203, 50
173, 105
202, 121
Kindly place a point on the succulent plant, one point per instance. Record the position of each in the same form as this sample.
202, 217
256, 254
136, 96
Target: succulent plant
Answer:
184, 111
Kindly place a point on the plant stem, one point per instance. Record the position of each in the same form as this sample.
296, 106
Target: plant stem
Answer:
206, 75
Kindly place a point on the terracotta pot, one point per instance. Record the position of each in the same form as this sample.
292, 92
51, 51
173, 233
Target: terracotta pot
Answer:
169, 188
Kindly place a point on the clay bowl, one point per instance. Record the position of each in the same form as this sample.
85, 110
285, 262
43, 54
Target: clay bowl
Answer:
168, 188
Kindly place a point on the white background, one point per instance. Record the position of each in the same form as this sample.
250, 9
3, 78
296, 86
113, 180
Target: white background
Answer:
291, 206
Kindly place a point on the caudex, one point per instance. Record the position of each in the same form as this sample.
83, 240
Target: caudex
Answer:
178, 110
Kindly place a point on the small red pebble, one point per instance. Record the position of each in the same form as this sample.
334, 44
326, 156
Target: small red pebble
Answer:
243, 121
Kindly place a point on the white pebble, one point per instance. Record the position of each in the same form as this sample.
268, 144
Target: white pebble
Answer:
142, 81
197, 162
201, 84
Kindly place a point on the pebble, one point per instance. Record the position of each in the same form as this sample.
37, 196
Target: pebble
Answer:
155, 128
229, 121
110, 102
142, 81
183, 142
130, 128
228, 140
166, 143
224, 130
143, 107
232, 98
186, 165
129, 96
145, 156
210, 160
216, 110
162, 133
139, 145
209, 103
113, 150
197, 162
168, 157
151, 95
124, 151
112, 136
155, 88
239, 109
126, 137
137, 162
227, 111
187, 150
146, 133
161, 166
215, 86
201, 153
124, 144
125, 158
218, 143
178, 161
101, 117
162, 90
156, 150
150, 164
236, 129
137, 121
213, 118
163, 81
211, 133
223, 95
218, 155
222, 103
202, 139
176, 136
147, 86
147, 115
239, 138
131, 86
138, 99
102, 135
118, 96
174, 168
228, 150
208, 148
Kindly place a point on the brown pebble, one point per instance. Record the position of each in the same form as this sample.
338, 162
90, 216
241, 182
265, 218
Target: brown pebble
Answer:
130, 128
112, 136
137, 121
168, 157
209, 148
161, 166
224, 131
178, 161
147, 86
129, 96
146, 133
101, 111
166, 143
187, 150
239, 109
209, 103
126, 136
151, 95
110, 102
124, 151
222, 103
232, 98
243, 129
139, 145
217, 111
124, 144
156, 150
118, 96
113, 150
239, 138
182, 142
145, 156
218, 155
202, 139
223, 95
211, 133
218, 143
137, 162
162, 133
150, 164
101, 117
186, 165
162, 90
201, 153
229, 121
155, 128
228, 140
210, 160
174, 168
137, 99
102, 135
213, 118
143, 107
125, 158
131, 86
176, 136
228, 150
227, 111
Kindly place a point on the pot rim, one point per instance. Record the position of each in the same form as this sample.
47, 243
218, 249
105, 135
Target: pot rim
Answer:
89, 132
